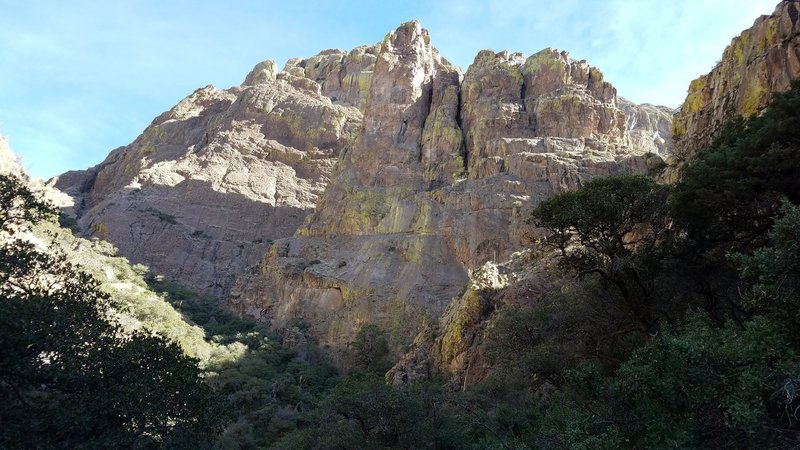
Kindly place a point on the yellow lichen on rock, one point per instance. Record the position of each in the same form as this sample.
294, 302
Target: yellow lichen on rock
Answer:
694, 101
468, 313
753, 98
760, 61
544, 60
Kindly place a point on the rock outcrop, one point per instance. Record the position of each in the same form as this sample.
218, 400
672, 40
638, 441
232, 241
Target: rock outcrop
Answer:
344, 77
440, 181
762, 60
456, 345
200, 195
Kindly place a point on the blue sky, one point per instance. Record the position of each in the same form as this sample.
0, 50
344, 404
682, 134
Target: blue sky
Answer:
80, 78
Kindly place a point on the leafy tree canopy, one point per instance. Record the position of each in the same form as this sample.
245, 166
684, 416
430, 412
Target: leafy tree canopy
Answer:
70, 376
731, 192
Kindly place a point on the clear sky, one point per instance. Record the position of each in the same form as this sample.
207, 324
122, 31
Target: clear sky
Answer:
79, 78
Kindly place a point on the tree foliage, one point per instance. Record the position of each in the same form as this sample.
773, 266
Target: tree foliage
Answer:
730, 193
19, 205
703, 386
70, 376
570, 326
772, 273
610, 216
611, 227
362, 411
371, 349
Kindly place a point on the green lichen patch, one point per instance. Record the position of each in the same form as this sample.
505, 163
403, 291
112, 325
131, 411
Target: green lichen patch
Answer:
695, 100
469, 313
754, 95
558, 104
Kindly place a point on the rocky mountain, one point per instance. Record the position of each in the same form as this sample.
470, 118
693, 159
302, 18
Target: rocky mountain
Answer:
760, 61
376, 202
440, 181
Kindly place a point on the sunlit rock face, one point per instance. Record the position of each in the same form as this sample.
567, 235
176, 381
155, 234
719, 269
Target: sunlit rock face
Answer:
759, 62
200, 195
440, 180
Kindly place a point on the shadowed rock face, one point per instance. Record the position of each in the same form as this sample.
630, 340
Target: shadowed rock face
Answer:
762, 60
440, 181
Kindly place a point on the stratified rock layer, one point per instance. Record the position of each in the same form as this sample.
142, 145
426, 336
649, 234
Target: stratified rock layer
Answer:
762, 60
441, 180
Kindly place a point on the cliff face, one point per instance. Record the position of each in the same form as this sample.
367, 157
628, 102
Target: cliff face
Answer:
440, 181
759, 62
456, 345
201, 193
416, 174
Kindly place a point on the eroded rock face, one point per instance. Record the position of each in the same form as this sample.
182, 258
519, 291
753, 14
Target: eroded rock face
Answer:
200, 195
368, 253
649, 126
759, 62
440, 181
262, 73
342, 76
457, 346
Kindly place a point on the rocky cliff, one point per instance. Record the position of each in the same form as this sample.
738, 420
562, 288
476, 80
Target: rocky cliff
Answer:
440, 181
761, 61
416, 174
200, 195
757, 63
